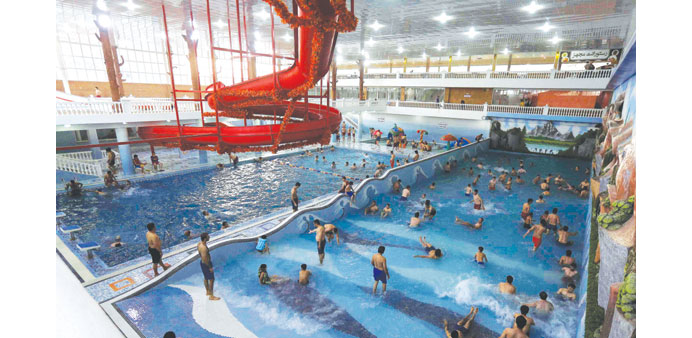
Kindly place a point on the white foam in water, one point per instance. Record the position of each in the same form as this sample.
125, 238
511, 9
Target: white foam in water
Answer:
306, 256
268, 310
473, 292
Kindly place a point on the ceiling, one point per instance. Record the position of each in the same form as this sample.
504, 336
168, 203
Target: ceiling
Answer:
410, 24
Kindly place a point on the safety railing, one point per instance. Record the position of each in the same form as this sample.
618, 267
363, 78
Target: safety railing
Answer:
497, 108
125, 107
538, 75
84, 167
463, 106
412, 104
516, 109
86, 155
575, 112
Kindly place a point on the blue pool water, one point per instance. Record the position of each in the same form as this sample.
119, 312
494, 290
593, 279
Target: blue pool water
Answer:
175, 204
421, 292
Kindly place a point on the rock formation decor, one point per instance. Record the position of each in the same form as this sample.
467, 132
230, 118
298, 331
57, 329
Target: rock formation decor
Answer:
567, 139
619, 213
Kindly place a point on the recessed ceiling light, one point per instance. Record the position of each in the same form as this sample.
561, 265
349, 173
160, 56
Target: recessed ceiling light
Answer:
287, 37
375, 26
400, 49
101, 4
443, 18
439, 47
130, 5
262, 14
194, 35
459, 52
220, 24
472, 32
533, 7
555, 39
506, 51
546, 26
424, 55
370, 42
365, 54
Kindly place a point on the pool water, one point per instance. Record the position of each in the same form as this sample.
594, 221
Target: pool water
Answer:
175, 204
421, 292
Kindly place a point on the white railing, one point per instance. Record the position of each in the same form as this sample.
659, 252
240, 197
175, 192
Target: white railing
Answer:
547, 74
575, 112
86, 155
463, 106
516, 109
497, 108
85, 167
161, 106
412, 104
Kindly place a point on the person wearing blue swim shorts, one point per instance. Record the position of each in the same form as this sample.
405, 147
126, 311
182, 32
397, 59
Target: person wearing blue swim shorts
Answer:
379, 270
480, 257
206, 265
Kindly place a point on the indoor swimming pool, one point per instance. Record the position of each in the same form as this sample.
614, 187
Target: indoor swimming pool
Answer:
338, 302
176, 203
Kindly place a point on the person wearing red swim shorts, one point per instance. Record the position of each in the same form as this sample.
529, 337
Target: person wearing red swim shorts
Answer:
538, 231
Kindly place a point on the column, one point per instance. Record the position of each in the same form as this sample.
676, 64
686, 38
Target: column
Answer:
468, 65
509, 63
124, 150
361, 71
449, 67
333, 73
494, 61
94, 139
427, 64
405, 62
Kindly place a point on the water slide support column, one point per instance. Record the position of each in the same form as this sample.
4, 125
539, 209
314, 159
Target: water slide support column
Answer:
94, 139
124, 150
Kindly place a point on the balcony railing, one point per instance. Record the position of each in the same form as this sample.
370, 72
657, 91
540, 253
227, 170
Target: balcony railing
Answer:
547, 74
497, 108
158, 106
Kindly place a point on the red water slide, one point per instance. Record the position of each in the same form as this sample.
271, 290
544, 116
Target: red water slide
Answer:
308, 123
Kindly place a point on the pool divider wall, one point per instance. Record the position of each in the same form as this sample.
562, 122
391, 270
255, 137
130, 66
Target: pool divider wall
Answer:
297, 223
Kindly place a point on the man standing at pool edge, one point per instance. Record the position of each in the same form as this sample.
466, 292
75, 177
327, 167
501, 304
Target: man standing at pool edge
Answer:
379, 270
294, 196
154, 243
319, 238
206, 265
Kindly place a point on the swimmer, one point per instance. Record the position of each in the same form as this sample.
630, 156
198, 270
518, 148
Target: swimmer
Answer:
576, 168
507, 287
433, 253
386, 211
492, 183
405, 193
447, 167
559, 180
218, 166
508, 185
391, 158
480, 257
529, 321
513, 172
546, 188
207, 215
553, 220
526, 208
470, 171
468, 190
568, 292
331, 231
225, 225
517, 331
187, 234
490, 173
100, 192
333, 165
294, 196
125, 186
537, 179
430, 211
353, 167
432, 186
346, 164
258, 160
74, 188
477, 201
344, 183
563, 236
317, 158
154, 245
349, 190
415, 220
542, 305
528, 220
463, 327
475, 181
567, 259
379, 270
570, 271
519, 180
479, 165
371, 209
319, 238
473, 159
477, 225
540, 199
118, 243
503, 177
109, 179
206, 265
262, 245
538, 231
415, 156
584, 193
548, 178
304, 275
396, 187
265, 279
378, 172
521, 171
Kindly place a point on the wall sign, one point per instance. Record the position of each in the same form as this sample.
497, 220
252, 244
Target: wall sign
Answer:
590, 55
380, 119
442, 125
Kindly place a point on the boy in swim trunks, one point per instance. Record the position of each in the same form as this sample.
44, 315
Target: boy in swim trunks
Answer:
536, 179
519, 180
475, 181
154, 243
379, 270
331, 231
304, 275
430, 211
546, 188
526, 208
262, 245
294, 196
386, 211
371, 209
406, 193
517, 331
508, 185
492, 183
468, 190
319, 238
568, 292
477, 201
206, 265
563, 236
463, 327
542, 305
480, 257
553, 220
476, 226
349, 189
415, 220
433, 252
138, 164
528, 220
507, 287
538, 231
529, 321
567, 259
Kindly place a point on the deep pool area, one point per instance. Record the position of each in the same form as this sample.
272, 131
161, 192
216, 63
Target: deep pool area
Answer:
421, 292
175, 203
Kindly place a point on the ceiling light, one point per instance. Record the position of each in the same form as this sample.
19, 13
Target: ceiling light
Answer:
130, 5
459, 52
555, 39
194, 36
472, 32
262, 14
443, 18
367, 62
101, 4
425, 56
439, 47
365, 54
400, 49
546, 26
287, 37
370, 42
506, 51
339, 59
533, 7
375, 26
220, 24
104, 21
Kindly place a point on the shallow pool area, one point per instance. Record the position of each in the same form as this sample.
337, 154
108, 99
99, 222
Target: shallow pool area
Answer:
338, 302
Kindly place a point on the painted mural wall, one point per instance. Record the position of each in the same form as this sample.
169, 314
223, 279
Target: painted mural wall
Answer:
436, 127
568, 139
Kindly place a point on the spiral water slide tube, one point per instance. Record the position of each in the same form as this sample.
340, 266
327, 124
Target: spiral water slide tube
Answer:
309, 123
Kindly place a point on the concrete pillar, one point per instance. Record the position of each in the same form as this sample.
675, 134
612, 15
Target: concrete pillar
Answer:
94, 139
124, 150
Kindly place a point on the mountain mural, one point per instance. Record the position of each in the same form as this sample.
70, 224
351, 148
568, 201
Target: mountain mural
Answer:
548, 130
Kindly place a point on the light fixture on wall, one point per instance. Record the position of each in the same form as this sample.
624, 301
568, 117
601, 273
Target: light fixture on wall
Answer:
506, 51
439, 47
459, 52
370, 42
546, 26
194, 36
532, 8
220, 24
400, 49
287, 37
555, 39
375, 26
101, 4
262, 14
130, 5
472, 33
443, 18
